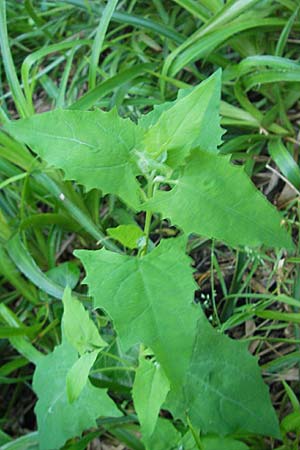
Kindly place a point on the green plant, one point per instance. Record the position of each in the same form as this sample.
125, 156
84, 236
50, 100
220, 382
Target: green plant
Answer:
167, 164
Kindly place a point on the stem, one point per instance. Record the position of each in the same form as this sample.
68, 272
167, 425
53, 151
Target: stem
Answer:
112, 368
112, 356
148, 218
212, 283
147, 230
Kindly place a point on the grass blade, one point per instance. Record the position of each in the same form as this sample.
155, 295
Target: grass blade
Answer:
99, 39
35, 56
91, 97
8, 63
285, 161
25, 263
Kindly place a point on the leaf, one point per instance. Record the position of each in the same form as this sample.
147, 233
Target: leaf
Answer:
154, 293
213, 379
149, 391
211, 443
79, 329
291, 422
191, 121
224, 443
27, 442
4, 438
285, 161
165, 436
216, 199
94, 148
128, 235
78, 375
59, 420
65, 274
223, 391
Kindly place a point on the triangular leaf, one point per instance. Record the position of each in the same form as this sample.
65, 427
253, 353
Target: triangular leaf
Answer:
191, 121
79, 329
154, 293
59, 420
213, 379
216, 199
92, 147
149, 392
223, 391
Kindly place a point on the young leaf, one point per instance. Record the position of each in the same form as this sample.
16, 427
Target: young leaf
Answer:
93, 148
59, 420
213, 379
79, 329
216, 199
78, 375
155, 293
191, 121
128, 235
149, 392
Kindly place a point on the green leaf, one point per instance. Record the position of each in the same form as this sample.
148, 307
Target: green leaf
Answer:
65, 274
150, 390
4, 438
94, 148
291, 422
165, 436
215, 199
223, 391
224, 443
285, 161
213, 379
27, 442
211, 443
155, 293
128, 235
59, 420
79, 329
78, 375
191, 121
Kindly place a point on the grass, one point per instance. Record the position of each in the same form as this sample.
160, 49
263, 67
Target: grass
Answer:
146, 52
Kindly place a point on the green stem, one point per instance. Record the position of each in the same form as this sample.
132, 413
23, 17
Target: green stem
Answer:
148, 218
212, 283
112, 368
147, 230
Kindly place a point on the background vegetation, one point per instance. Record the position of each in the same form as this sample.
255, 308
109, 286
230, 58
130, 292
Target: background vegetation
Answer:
68, 54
